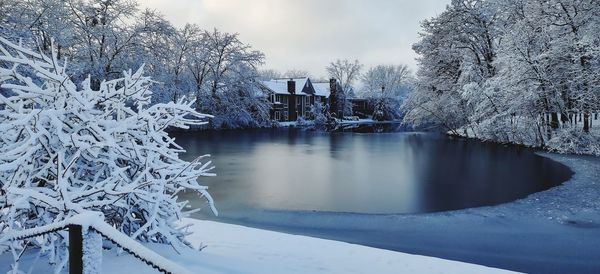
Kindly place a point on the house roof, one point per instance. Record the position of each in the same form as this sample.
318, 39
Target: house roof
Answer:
322, 89
279, 86
276, 87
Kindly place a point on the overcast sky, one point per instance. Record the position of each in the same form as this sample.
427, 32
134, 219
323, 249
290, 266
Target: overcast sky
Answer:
308, 34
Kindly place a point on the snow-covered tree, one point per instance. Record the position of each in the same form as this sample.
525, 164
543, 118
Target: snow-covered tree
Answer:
514, 71
225, 71
386, 80
102, 38
68, 149
319, 115
386, 86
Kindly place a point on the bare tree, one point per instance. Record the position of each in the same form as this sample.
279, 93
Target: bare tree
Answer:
296, 73
346, 72
269, 74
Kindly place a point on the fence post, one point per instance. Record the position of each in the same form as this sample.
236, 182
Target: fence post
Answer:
75, 250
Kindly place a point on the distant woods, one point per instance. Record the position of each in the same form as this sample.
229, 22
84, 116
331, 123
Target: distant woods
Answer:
514, 71
102, 38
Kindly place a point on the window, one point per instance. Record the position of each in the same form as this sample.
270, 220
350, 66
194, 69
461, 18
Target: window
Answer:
308, 102
277, 116
300, 111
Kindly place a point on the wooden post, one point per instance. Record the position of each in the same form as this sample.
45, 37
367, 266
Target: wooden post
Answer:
75, 250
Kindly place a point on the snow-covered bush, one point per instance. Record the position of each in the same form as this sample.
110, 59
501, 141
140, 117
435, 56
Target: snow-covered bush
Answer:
302, 122
386, 109
571, 140
315, 119
318, 112
69, 148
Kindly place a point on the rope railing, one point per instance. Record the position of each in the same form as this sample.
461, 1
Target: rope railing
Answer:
92, 221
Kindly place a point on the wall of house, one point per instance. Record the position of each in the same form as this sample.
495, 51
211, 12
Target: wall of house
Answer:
289, 107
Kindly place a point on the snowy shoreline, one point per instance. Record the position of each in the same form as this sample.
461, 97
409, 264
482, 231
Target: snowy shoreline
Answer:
553, 231
228, 248
343, 123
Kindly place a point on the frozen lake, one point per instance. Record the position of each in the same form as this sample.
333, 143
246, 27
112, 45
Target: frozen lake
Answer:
373, 173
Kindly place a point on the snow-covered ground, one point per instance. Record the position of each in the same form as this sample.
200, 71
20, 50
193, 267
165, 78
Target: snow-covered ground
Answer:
237, 249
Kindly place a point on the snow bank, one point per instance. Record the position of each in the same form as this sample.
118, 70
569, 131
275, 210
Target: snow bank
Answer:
237, 249
248, 250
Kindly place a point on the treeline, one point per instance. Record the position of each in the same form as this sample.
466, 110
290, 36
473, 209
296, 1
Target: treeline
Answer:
103, 38
513, 71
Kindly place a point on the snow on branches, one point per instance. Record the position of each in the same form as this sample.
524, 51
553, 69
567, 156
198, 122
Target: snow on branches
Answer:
68, 149
523, 72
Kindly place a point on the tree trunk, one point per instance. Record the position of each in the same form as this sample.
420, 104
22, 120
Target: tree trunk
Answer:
586, 122
564, 118
554, 122
571, 118
541, 136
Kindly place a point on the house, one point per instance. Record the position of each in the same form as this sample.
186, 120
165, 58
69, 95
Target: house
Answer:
361, 107
293, 98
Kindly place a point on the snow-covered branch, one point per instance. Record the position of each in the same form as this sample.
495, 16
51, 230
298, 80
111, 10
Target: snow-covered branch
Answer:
71, 148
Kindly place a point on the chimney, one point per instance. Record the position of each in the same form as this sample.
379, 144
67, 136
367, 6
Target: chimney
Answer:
291, 85
333, 85
333, 98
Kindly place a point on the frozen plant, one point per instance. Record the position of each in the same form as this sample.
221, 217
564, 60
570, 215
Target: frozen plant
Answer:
68, 149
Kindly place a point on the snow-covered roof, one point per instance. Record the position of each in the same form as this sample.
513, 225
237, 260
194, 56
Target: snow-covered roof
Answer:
300, 84
279, 86
322, 89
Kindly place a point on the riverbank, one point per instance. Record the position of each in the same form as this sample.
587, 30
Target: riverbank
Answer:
341, 123
567, 140
554, 231
230, 248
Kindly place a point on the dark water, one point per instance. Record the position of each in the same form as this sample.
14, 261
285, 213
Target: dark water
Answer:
377, 173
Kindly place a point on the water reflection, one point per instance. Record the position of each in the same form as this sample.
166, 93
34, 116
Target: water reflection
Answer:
399, 172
